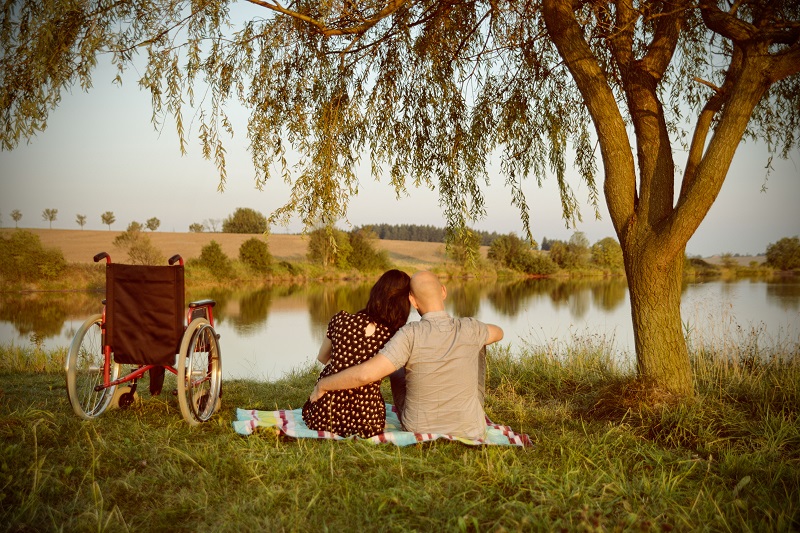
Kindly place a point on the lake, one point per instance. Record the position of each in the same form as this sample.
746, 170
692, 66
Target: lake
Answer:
268, 332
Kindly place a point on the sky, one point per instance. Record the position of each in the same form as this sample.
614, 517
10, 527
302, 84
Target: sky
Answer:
101, 153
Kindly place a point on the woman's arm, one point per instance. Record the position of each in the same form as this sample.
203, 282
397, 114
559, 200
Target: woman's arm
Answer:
324, 354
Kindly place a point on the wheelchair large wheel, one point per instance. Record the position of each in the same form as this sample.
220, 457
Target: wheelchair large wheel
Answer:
84, 367
199, 372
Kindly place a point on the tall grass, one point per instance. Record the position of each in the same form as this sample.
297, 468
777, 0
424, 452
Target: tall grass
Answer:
605, 458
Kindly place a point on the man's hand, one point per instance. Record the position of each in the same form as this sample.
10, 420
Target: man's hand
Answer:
374, 369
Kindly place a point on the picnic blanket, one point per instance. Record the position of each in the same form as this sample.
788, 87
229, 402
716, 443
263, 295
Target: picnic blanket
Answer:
290, 423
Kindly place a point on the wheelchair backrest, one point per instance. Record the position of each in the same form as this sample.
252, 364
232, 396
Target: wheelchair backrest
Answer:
144, 313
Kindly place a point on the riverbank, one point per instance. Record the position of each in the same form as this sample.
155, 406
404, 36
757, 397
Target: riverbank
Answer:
604, 459
79, 246
290, 263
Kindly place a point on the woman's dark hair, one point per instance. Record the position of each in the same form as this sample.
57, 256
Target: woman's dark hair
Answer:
388, 299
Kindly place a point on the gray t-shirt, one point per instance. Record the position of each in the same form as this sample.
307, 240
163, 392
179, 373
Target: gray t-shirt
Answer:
440, 355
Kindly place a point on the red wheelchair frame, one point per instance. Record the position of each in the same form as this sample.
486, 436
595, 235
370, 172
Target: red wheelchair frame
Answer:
143, 324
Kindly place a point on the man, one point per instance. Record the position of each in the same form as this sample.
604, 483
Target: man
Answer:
441, 357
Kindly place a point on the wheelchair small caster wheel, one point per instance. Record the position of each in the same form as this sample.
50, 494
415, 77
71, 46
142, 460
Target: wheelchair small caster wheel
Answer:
126, 400
124, 397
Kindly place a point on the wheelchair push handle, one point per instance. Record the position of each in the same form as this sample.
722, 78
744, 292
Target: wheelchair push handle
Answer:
103, 255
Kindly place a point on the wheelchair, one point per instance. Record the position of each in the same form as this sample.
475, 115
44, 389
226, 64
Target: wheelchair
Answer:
142, 327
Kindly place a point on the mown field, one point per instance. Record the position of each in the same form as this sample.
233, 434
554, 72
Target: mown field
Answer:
79, 246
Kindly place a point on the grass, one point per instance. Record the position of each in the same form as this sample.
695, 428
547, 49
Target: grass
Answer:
605, 458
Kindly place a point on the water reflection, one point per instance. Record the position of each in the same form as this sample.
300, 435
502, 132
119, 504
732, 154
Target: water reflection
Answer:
508, 299
464, 298
575, 295
324, 301
785, 295
610, 295
278, 327
42, 315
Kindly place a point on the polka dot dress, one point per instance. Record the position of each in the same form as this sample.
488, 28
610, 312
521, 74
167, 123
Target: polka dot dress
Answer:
360, 411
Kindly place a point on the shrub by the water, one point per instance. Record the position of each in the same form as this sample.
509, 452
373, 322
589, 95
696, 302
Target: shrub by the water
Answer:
363, 255
25, 259
138, 246
214, 259
329, 247
514, 253
784, 254
255, 254
698, 267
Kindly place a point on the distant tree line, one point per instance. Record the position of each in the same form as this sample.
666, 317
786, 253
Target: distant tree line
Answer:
421, 233
408, 232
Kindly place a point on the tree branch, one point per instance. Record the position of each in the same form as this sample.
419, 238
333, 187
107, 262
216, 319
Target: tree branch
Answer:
724, 23
665, 40
620, 174
391, 7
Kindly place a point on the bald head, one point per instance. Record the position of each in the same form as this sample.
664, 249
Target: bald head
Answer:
427, 293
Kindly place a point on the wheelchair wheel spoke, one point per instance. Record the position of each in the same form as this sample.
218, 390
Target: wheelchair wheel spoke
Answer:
199, 364
85, 364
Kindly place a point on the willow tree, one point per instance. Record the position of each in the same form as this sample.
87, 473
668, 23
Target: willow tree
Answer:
429, 92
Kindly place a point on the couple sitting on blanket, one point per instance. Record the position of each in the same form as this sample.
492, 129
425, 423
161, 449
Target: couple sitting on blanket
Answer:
436, 365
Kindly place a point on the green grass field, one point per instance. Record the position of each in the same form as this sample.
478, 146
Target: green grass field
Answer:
605, 458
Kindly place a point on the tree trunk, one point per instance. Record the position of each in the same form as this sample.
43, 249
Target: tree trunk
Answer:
655, 293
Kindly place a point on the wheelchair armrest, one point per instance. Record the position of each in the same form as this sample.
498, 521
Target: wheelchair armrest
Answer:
202, 303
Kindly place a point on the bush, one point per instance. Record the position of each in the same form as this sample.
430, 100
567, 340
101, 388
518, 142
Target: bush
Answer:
255, 254
214, 259
784, 254
514, 253
138, 246
506, 248
152, 223
537, 264
695, 266
571, 255
25, 259
464, 248
607, 253
363, 255
329, 247
245, 220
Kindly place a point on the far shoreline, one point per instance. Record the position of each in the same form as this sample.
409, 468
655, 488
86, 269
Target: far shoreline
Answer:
80, 246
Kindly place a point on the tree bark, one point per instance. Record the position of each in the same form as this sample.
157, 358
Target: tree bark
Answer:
654, 286
652, 253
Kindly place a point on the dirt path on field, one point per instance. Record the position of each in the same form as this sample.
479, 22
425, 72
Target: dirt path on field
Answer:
79, 246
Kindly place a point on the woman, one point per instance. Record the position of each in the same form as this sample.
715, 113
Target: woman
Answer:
350, 340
